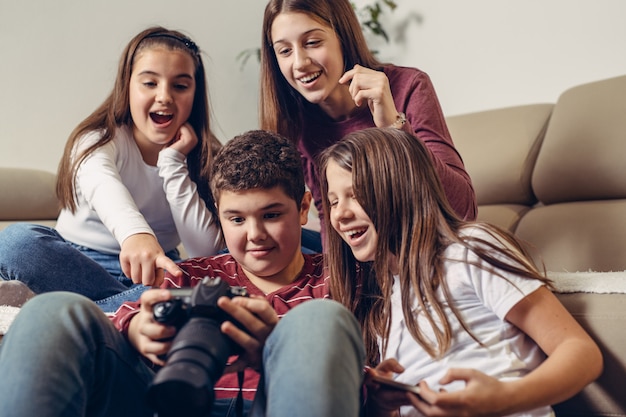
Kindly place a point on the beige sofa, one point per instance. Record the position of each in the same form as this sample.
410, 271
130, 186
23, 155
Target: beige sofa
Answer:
555, 175
551, 173
27, 195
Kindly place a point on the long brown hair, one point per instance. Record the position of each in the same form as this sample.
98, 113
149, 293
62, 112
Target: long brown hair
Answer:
281, 107
114, 112
394, 180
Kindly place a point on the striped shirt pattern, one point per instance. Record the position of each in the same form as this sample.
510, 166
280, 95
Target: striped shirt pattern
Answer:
311, 283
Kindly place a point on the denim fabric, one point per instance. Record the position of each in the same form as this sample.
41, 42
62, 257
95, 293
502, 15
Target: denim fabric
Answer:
311, 241
313, 363
112, 303
63, 357
40, 257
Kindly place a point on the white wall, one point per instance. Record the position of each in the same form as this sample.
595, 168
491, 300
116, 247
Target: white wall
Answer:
483, 54
58, 58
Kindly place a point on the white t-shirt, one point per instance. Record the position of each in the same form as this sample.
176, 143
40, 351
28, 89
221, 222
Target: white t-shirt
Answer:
483, 300
119, 195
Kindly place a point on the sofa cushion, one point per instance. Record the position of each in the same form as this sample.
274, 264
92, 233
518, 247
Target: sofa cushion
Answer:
577, 236
27, 194
584, 149
504, 215
499, 148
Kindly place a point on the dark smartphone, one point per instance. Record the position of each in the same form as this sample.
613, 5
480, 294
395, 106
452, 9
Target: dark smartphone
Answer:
393, 384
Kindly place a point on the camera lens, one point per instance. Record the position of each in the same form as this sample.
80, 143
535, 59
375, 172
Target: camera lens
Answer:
199, 352
195, 362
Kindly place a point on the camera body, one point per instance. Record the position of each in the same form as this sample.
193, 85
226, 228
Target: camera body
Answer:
199, 351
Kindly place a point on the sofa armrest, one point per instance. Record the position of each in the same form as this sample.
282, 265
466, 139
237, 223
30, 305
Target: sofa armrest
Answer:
596, 300
27, 194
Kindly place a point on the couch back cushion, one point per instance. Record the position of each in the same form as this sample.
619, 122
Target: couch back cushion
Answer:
584, 149
499, 148
580, 181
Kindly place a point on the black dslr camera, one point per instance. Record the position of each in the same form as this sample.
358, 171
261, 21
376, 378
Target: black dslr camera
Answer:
199, 351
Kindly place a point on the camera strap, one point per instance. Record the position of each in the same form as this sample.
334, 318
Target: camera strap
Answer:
239, 401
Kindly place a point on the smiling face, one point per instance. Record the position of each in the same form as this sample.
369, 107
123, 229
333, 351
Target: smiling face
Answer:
262, 229
161, 95
347, 216
310, 58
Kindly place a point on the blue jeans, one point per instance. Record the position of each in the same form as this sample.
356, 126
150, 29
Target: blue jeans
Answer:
63, 357
44, 261
311, 241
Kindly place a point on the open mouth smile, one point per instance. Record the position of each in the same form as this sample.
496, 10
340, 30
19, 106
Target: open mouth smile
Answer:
310, 78
354, 233
161, 117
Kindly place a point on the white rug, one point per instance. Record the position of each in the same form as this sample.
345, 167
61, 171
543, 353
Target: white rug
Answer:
7, 314
589, 282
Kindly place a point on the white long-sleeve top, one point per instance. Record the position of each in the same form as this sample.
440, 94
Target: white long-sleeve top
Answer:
119, 195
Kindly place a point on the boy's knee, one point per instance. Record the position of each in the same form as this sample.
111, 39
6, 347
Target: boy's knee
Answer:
18, 230
20, 238
50, 306
54, 317
320, 316
320, 309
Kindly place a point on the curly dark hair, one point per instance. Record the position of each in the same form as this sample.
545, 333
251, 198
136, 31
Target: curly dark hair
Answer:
258, 159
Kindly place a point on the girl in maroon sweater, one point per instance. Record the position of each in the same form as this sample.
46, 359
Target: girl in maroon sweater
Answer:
320, 81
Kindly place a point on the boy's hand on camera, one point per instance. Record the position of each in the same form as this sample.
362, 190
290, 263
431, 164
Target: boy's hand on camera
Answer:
150, 338
372, 87
482, 396
144, 261
259, 318
186, 140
